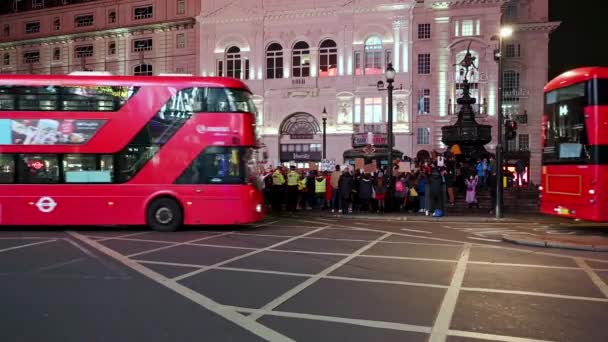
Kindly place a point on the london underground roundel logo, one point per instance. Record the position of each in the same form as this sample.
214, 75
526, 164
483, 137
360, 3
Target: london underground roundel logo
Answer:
46, 204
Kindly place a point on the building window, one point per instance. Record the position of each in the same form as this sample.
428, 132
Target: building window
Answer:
142, 45
180, 70
6, 59
424, 63
424, 136
112, 17
144, 12
181, 40
467, 28
357, 111
510, 13
389, 57
372, 110
274, 61
233, 62
83, 20
328, 58
301, 60
247, 71
31, 57
512, 50
56, 54
220, 68
112, 49
373, 56
143, 70
83, 51
181, 7
424, 101
424, 31
511, 145
357, 65
32, 27
37, 4
524, 142
510, 85
6, 31
56, 24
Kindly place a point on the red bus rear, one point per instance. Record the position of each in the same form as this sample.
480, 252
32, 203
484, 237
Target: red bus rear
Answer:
105, 150
575, 155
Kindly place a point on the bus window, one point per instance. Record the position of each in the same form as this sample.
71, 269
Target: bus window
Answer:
87, 168
7, 168
218, 165
38, 169
213, 100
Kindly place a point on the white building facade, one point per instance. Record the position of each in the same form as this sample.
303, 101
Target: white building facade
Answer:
300, 57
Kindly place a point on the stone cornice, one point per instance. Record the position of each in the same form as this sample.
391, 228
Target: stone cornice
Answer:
445, 4
537, 27
124, 31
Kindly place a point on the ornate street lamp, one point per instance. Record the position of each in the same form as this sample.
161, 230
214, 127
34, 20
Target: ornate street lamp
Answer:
390, 78
324, 118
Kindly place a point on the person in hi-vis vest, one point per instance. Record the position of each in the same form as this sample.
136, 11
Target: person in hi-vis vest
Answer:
278, 181
293, 178
320, 188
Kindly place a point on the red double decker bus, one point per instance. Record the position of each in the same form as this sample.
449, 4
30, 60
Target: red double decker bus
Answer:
106, 150
575, 154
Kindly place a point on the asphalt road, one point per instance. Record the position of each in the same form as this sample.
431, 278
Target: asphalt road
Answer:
300, 278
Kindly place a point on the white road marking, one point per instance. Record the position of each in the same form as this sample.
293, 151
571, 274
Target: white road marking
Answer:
492, 337
391, 282
446, 311
489, 263
360, 322
537, 294
123, 236
230, 315
594, 277
266, 224
25, 238
417, 231
190, 274
177, 244
26, 245
482, 239
297, 289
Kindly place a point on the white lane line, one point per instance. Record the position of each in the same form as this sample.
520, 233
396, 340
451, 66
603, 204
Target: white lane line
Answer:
492, 337
391, 282
167, 263
123, 236
446, 311
404, 258
482, 239
300, 287
177, 244
360, 322
25, 238
230, 315
222, 263
416, 231
266, 224
133, 239
490, 263
26, 245
537, 294
253, 270
594, 277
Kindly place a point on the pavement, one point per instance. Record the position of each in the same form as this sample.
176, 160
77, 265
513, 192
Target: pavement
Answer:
301, 277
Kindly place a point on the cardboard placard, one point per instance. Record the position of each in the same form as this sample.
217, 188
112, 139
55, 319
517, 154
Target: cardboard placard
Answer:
369, 168
359, 163
404, 167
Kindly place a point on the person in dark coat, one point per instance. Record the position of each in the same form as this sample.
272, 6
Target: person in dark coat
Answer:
436, 186
345, 186
365, 191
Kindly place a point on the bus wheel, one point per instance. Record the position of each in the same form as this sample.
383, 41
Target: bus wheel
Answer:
164, 215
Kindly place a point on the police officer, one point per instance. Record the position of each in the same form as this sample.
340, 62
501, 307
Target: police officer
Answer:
278, 181
293, 179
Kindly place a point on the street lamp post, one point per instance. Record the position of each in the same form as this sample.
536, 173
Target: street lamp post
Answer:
390, 78
505, 32
324, 118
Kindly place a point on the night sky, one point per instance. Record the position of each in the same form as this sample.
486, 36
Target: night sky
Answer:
581, 38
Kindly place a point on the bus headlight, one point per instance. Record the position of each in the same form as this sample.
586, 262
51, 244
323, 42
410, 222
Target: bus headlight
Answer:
591, 191
258, 208
540, 188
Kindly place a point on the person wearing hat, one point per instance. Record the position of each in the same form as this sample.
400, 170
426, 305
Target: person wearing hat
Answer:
278, 181
293, 178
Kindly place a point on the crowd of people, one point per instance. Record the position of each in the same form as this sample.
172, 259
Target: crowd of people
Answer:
428, 188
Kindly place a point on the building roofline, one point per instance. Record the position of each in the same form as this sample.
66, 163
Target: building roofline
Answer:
537, 27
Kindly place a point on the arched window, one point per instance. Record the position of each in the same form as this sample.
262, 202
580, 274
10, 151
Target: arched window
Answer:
373, 56
6, 60
233, 62
143, 70
112, 48
274, 61
301, 60
112, 17
328, 58
472, 76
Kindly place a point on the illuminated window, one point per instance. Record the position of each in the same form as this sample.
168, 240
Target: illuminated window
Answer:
181, 7
142, 45
274, 61
424, 136
467, 28
424, 101
143, 12
143, 70
328, 58
357, 113
301, 59
524, 142
32, 27
181, 40
233, 62
357, 64
83, 51
372, 110
424, 63
83, 20
424, 31
373, 56
510, 85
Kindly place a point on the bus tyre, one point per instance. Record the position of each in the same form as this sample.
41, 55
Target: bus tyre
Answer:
164, 215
